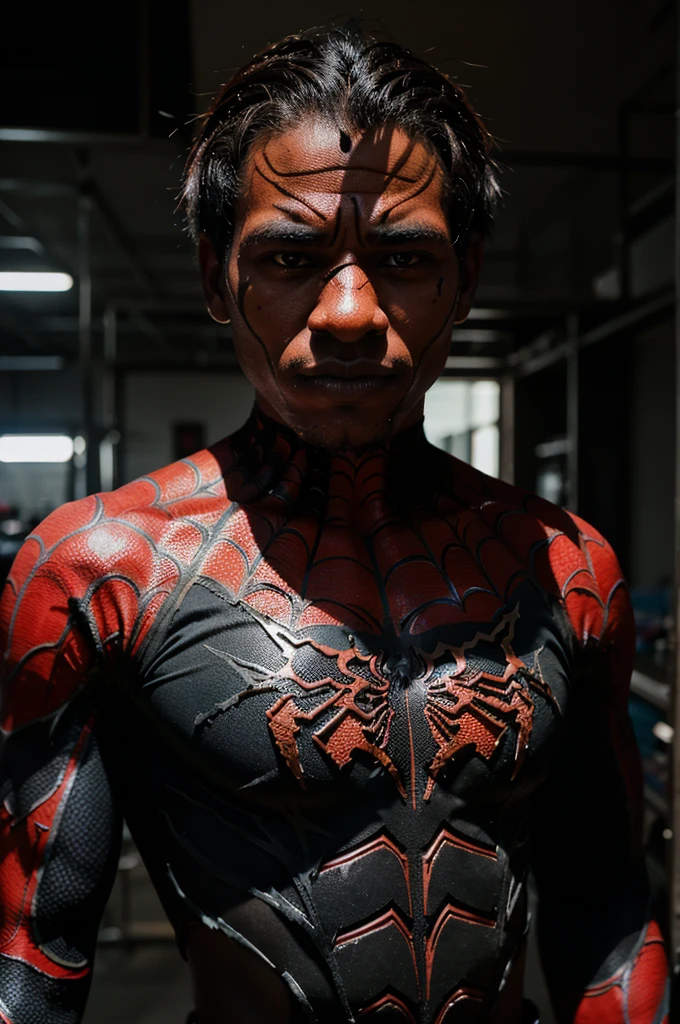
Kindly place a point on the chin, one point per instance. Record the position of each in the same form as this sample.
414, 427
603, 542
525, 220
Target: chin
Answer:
340, 430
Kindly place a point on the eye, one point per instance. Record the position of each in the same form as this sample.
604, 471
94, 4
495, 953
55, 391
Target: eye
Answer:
291, 260
404, 260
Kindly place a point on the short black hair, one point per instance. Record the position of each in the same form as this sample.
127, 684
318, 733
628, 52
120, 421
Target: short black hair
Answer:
363, 83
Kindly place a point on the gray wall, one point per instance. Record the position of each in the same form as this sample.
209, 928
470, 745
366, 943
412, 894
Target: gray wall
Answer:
652, 457
154, 401
32, 403
49, 401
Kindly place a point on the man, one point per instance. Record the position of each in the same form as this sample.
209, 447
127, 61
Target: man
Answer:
345, 689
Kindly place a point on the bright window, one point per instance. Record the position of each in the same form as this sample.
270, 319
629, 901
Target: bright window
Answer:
461, 416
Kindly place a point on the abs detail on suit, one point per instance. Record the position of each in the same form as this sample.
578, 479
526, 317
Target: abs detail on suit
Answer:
345, 702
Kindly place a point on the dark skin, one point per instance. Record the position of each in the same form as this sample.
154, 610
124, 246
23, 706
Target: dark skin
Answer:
342, 283
365, 689
342, 287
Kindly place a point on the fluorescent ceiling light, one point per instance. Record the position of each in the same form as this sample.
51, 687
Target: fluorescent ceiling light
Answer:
32, 281
35, 448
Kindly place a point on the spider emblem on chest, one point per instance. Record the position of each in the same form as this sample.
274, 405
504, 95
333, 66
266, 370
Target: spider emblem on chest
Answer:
473, 695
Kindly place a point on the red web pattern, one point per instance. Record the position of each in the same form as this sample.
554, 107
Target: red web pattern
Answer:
116, 559
23, 848
635, 992
122, 554
368, 569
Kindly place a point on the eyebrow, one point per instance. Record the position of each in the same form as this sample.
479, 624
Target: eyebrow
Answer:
285, 233
407, 235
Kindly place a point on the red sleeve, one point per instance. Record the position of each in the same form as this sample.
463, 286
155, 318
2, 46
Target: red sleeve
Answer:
604, 958
59, 822
80, 599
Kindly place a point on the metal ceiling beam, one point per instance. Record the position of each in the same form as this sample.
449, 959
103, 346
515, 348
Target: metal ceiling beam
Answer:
65, 324
608, 162
39, 189
119, 236
66, 137
112, 226
20, 225
482, 335
17, 328
537, 356
21, 364
22, 242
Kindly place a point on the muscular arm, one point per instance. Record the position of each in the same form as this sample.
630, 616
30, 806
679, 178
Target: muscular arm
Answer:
59, 824
604, 958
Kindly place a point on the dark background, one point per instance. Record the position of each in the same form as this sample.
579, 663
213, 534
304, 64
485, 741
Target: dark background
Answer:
574, 316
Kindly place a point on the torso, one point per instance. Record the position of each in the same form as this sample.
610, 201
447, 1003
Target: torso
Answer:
343, 681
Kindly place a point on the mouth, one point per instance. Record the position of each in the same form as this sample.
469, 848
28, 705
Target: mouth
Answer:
347, 379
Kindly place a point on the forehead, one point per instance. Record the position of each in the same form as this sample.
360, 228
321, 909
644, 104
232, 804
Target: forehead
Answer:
309, 169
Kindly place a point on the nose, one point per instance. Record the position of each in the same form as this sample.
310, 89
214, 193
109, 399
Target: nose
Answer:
348, 306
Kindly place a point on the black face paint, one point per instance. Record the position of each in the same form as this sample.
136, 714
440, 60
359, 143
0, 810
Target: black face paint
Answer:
289, 195
336, 270
418, 191
240, 302
386, 175
357, 221
345, 142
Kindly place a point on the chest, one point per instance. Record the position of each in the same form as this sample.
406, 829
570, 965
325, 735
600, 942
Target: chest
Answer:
466, 708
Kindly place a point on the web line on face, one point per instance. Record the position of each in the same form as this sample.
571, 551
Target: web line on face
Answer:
346, 168
419, 363
430, 178
290, 195
336, 230
357, 222
451, 313
239, 303
358, 216
327, 277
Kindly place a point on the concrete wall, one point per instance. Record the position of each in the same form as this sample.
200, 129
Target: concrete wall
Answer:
153, 402
652, 457
37, 402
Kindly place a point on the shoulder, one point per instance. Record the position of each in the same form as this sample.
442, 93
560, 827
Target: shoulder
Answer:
570, 558
103, 566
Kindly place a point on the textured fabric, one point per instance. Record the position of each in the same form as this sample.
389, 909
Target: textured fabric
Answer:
345, 703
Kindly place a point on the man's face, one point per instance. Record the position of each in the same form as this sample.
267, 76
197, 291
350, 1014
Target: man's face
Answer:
342, 284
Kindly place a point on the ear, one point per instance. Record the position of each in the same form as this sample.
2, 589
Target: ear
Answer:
212, 273
470, 267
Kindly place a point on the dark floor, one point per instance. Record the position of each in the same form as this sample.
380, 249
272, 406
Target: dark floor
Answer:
144, 983
149, 983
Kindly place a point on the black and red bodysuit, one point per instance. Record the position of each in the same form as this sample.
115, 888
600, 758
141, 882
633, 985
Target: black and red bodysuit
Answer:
344, 703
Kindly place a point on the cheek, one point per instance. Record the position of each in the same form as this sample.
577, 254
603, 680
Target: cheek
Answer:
420, 310
271, 311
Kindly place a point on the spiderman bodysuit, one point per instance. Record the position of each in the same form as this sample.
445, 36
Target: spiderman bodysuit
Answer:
344, 703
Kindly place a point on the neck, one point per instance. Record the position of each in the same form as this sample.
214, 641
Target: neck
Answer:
267, 461
338, 436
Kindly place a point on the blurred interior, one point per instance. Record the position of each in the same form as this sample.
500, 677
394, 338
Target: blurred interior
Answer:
562, 380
